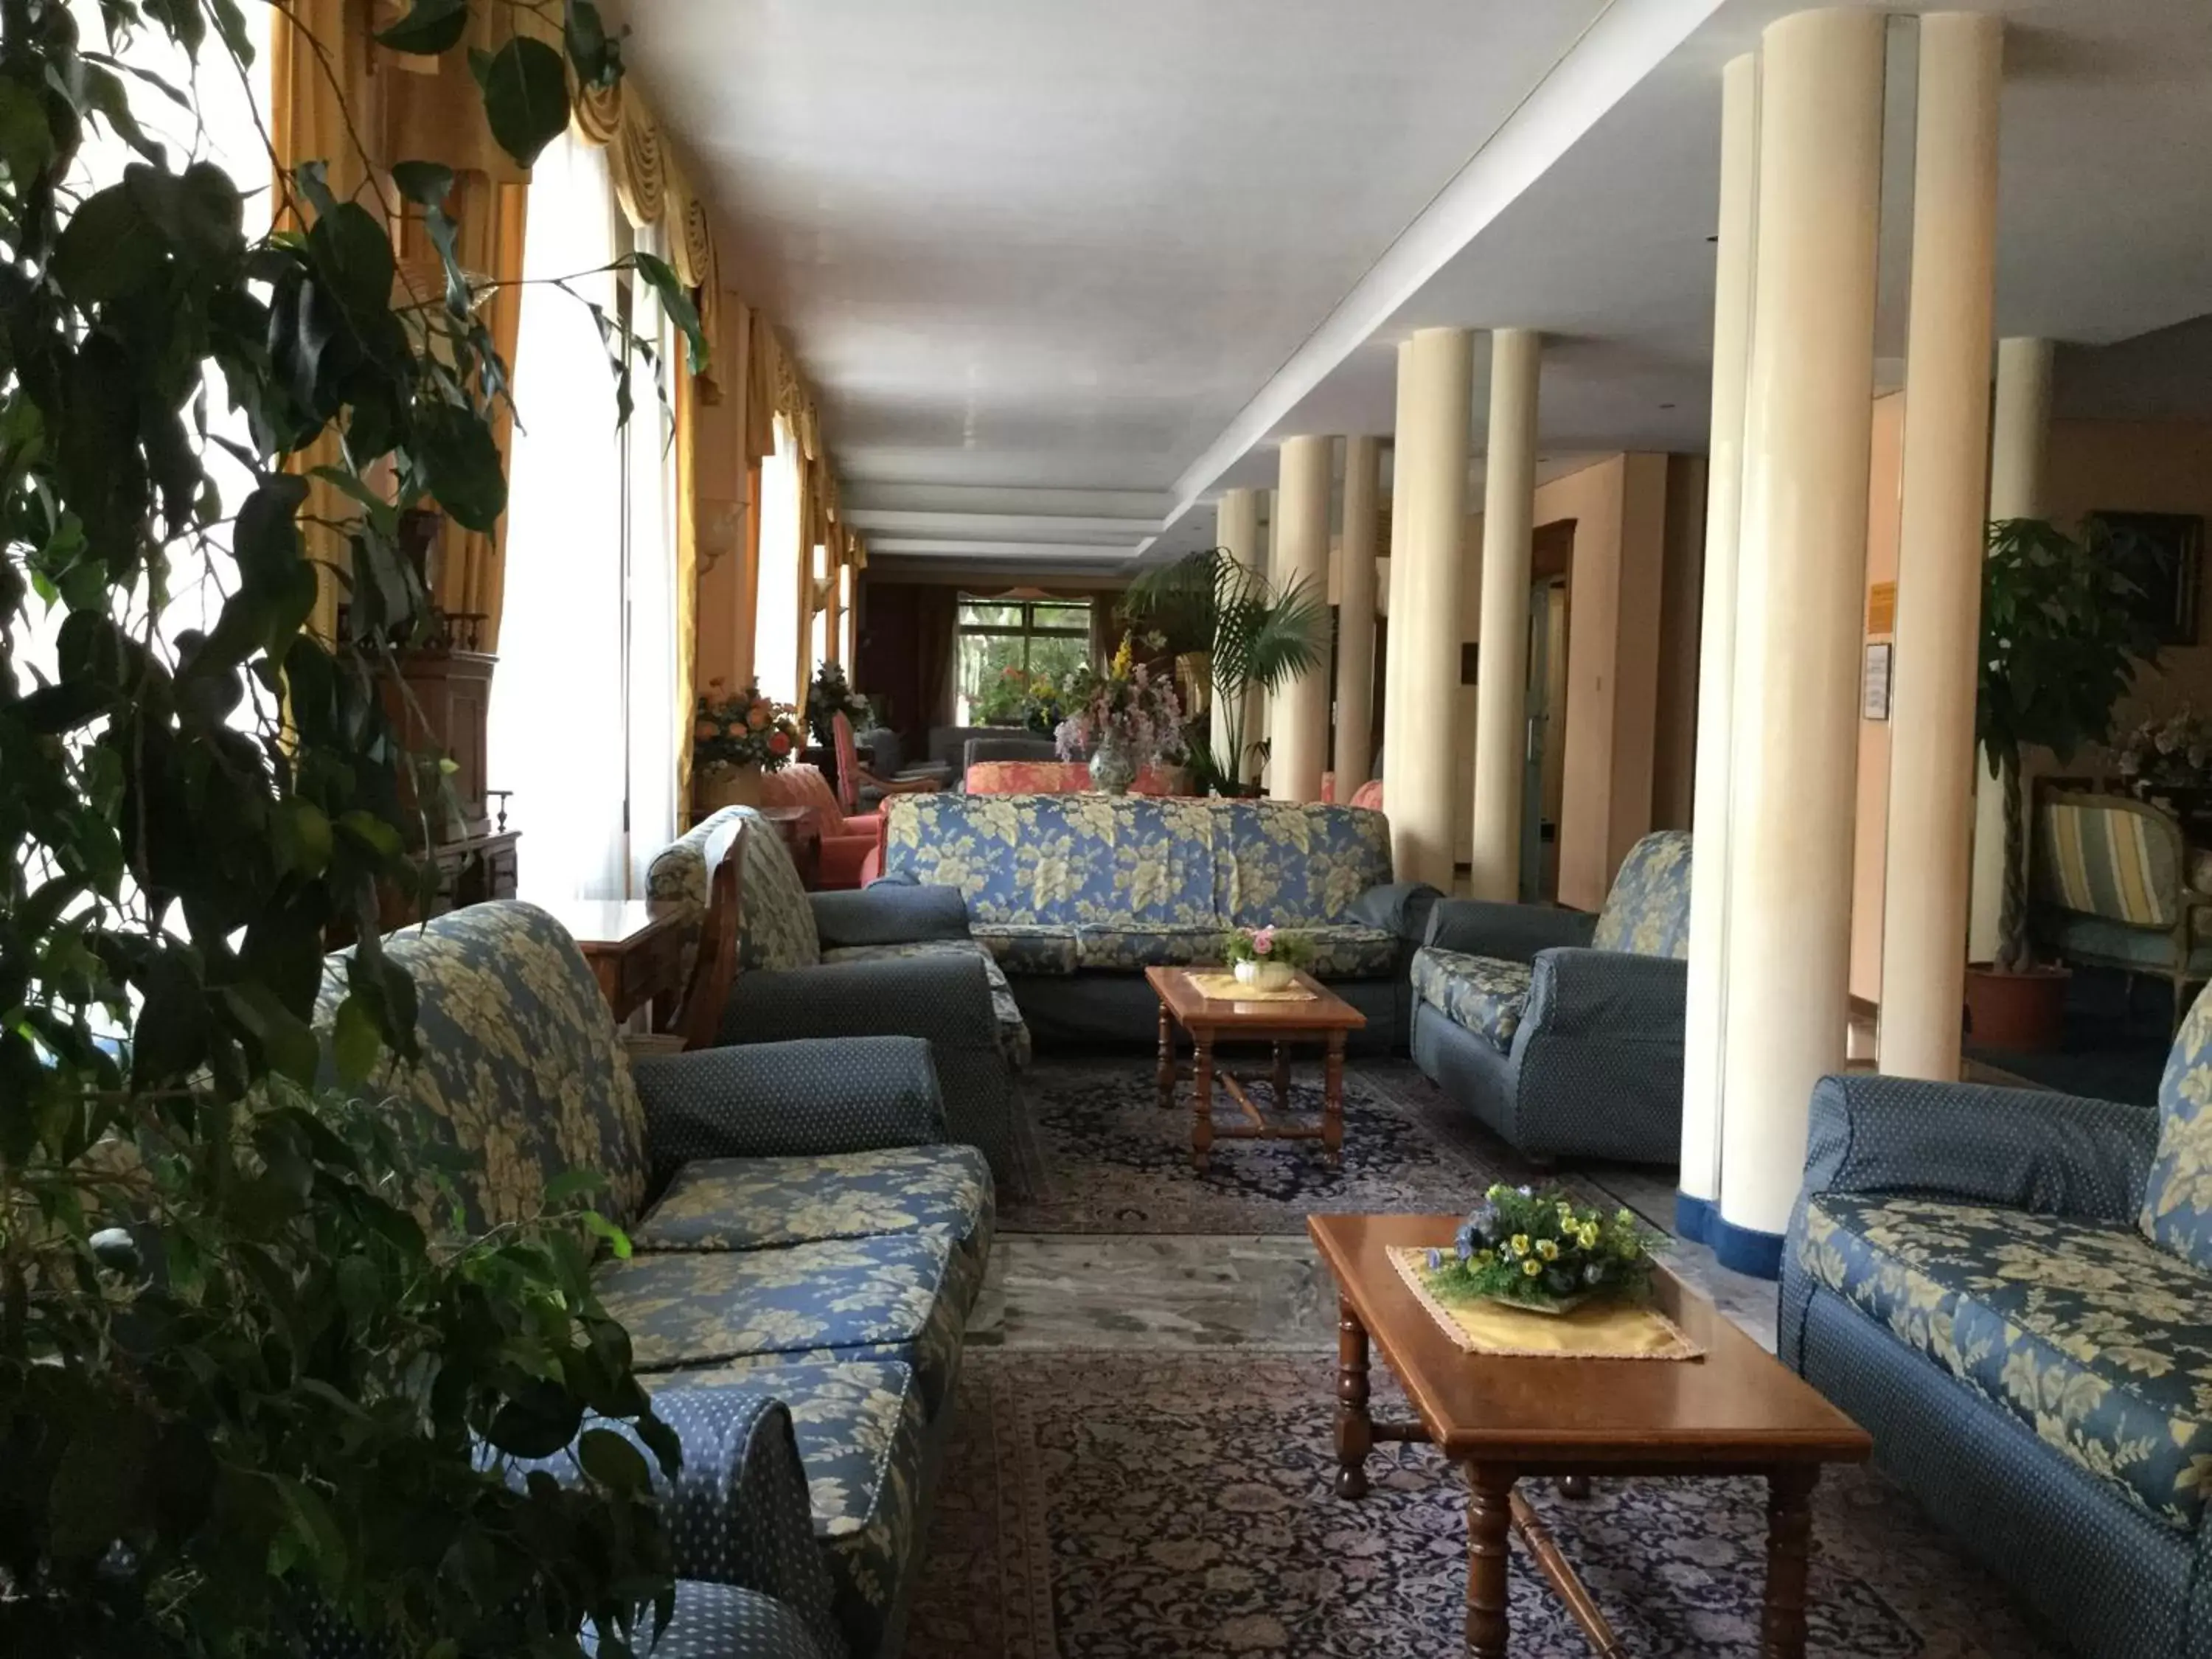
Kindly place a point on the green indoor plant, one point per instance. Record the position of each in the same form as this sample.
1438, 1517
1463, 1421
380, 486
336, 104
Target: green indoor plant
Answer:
2061, 642
242, 1387
1254, 634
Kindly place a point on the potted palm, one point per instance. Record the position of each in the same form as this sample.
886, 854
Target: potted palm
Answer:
1238, 633
2061, 642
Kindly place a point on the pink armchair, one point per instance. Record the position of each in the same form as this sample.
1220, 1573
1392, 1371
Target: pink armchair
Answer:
847, 839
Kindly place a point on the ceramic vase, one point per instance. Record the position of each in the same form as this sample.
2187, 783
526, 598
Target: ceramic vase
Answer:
1264, 975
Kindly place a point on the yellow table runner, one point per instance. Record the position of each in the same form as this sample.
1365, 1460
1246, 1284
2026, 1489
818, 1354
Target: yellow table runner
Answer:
1227, 987
1601, 1330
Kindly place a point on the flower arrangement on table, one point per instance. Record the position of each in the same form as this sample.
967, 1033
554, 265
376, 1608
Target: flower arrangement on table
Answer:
1266, 957
744, 729
2175, 752
1120, 719
830, 694
1540, 1250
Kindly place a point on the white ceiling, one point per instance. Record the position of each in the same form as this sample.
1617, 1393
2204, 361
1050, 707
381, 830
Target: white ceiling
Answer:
1061, 271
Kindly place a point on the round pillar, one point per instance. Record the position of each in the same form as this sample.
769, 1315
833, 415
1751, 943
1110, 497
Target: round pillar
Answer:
1425, 602
1939, 577
1236, 532
1501, 694
1801, 579
1297, 723
1401, 450
1699, 1190
1355, 617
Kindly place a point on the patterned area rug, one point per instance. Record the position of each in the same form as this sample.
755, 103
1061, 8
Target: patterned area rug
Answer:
1100, 1155
1096, 1507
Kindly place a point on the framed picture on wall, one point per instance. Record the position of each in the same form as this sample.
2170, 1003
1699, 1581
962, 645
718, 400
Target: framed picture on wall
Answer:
2164, 554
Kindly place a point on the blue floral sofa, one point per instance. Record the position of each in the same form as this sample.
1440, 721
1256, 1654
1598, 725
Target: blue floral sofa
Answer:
2011, 1289
1076, 895
1562, 1031
880, 963
805, 1249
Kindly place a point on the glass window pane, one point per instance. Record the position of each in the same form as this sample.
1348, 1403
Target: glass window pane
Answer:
1074, 616
1055, 656
977, 613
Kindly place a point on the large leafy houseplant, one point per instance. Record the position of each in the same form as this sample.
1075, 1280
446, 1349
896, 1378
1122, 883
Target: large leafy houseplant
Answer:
1254, 634
243, 1390
2061, 642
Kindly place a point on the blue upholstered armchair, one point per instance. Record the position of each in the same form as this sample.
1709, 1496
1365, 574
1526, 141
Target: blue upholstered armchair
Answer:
884, 962
1562, 1031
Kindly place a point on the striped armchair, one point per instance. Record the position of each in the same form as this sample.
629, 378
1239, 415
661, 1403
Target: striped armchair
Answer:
2113, 884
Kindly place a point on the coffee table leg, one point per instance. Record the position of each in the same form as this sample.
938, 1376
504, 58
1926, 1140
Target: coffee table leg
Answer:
1332, 1100
1202, 1102
1355, 1431
1489, 1530
1167, 1072
1282, 1077
1789, 1540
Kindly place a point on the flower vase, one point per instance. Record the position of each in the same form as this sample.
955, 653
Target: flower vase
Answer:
1264, 975
717, 787
1112, 768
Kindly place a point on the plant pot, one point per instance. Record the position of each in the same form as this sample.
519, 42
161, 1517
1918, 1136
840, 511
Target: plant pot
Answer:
717, 787
2016, 1011
1264, 975
1550, 1307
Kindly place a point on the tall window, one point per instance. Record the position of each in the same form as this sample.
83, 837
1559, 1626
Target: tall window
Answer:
776, 612
653, 718
847, 630
1005, 642
817, 621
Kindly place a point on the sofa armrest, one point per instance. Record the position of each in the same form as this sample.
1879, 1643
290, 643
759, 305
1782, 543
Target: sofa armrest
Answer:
944, 996
1507, 932
1402, 907
1610, 996
2020, 1149
889, 913
788, 1100
736, 1510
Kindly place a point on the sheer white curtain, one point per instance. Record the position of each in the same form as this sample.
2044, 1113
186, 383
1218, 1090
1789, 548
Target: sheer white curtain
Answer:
651, 692
556, 726
783, 566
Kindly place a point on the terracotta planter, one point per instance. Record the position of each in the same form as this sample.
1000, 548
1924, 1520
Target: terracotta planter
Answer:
717, 787
2016, 1011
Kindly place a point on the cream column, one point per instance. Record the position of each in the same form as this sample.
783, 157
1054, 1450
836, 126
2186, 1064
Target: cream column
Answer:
1425, 602
1939, 573
2020, 437
1236, 532
1401, 450
1501, 691
1699, 1190
1355, 617
1297, 723
1801, 577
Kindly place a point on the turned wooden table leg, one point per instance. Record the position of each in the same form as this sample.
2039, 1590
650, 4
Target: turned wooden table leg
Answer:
1332, 1100
1282, 1078
1355, 1431
1202, 1101
1489, 1531
1788, 1557
1167, 1071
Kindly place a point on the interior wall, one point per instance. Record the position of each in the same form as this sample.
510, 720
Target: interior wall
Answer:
1870, 843
1681, 621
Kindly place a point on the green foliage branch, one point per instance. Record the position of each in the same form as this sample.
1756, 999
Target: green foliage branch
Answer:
243, 1390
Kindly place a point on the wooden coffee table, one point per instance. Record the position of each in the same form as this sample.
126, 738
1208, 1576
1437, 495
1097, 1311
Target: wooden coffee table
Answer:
1737, 1411
1324, 1018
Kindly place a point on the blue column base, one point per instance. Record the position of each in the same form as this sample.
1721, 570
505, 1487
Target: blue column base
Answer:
1694, 1217
1745, 1250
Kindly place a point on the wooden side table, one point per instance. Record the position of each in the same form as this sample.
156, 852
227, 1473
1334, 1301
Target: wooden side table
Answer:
636, 954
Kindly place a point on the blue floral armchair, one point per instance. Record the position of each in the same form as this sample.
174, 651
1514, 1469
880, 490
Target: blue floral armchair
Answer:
1561, 1031
2011, 1289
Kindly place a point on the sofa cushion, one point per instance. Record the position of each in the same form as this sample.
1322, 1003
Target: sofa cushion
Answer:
775, 923
2177, 1212
2089, 1334
1291, 865
1348, 951
1060, 861
521, 1070
761, 1203
1480, 994
1028, 947
863, 1437
1135, 947
1647, 911
1013, 1029
894, 1297
714, 1621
